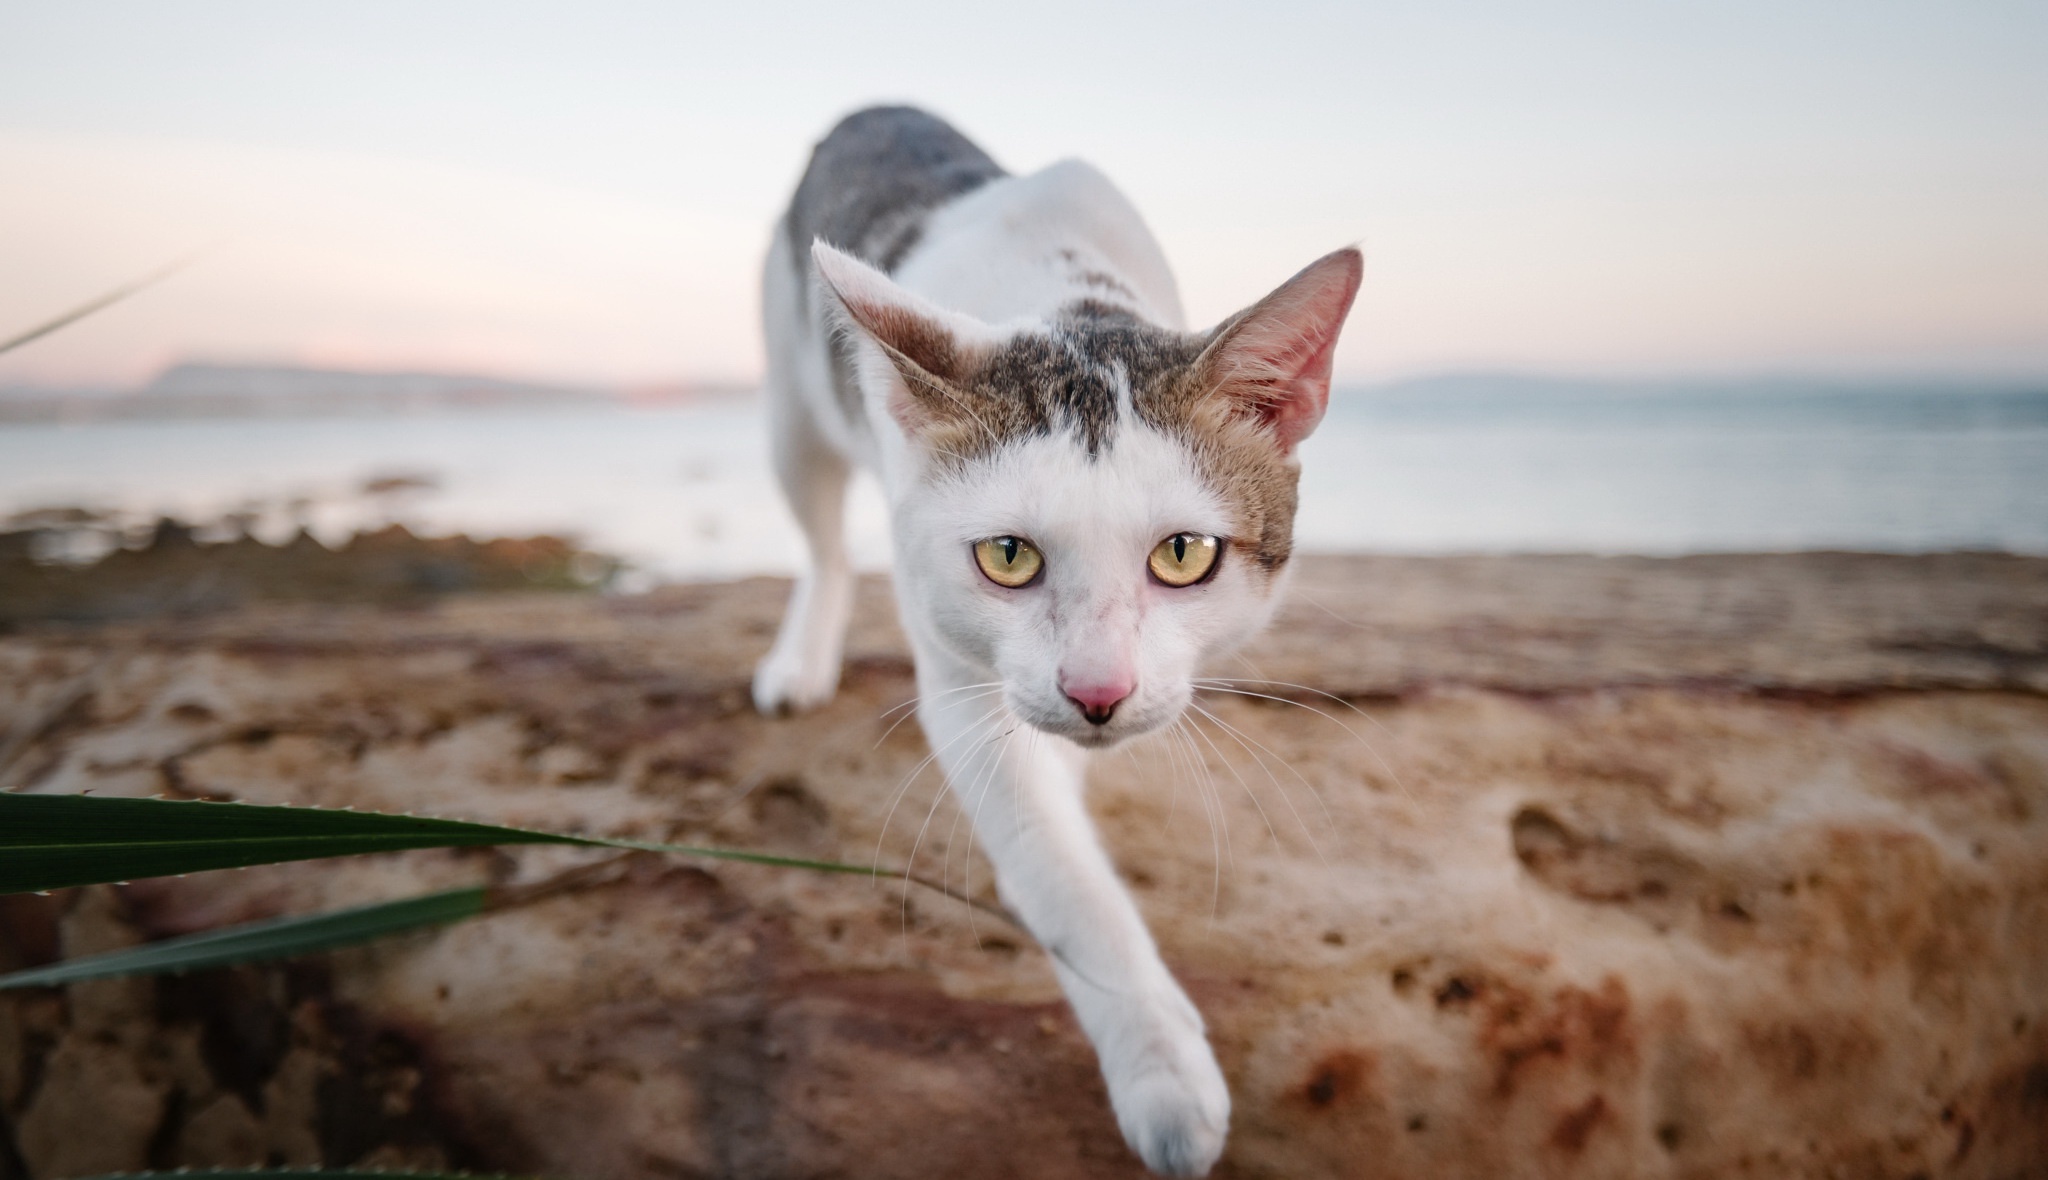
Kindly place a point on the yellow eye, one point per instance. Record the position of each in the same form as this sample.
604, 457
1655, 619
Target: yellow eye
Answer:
1008, 561
1184, 558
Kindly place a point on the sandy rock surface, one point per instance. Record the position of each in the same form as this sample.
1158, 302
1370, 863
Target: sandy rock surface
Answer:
1599, 867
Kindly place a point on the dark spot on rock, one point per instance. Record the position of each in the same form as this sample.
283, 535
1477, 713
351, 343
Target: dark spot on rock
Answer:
788, 816
29, 930
1333, 937
1417, 1122
1734, 909
706, 756
1403, 980
1670, 1135
190, 712
1539, 839
1588, 1030
1596, 868
1787, 1050
245, 1024
1336, 1078
1569, 1136
1455, 990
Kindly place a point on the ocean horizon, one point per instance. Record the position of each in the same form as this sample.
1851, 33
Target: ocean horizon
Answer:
1470, 463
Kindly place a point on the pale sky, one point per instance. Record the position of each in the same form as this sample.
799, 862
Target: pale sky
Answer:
582, 191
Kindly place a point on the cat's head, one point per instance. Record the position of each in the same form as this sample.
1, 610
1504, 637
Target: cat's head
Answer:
1094, 506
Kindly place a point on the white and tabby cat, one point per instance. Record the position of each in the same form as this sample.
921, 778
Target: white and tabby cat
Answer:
1088, 501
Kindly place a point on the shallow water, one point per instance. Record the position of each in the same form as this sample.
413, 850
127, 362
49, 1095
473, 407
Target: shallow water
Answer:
687, 492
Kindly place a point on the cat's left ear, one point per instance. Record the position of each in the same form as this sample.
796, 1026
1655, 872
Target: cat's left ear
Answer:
1274, 357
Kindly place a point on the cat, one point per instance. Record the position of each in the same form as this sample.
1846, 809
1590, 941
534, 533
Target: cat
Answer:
1087, 501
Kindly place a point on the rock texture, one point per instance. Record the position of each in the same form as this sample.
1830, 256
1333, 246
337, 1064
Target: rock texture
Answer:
1583, 867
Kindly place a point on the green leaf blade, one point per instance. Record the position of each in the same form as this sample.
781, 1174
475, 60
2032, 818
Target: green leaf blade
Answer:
59, 841
300, 1174
277, 938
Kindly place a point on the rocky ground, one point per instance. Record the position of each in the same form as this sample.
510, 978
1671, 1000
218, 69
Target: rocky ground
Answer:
1583, 867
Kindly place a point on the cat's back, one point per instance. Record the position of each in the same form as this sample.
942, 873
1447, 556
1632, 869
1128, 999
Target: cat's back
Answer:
875, 178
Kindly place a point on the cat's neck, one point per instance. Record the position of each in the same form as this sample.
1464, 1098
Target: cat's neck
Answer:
1021, 249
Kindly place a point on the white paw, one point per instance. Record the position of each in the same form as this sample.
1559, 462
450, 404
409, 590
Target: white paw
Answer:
785, 683
1176, 1113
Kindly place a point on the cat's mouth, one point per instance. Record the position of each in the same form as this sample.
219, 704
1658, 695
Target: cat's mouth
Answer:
1129, 720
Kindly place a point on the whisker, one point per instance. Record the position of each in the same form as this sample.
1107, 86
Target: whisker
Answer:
924, 827
1218, 842
1298, 592
1225, 683
1248, 741
1173, 797
1232, 767
903, 788
1222, 810
967, 867
1245, 741
921, 698
982, 781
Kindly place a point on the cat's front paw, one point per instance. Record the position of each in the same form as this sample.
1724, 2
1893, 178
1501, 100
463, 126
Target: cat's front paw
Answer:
1176, 1113
786, 683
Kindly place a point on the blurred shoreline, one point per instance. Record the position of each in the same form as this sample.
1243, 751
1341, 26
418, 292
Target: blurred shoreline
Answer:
74, 566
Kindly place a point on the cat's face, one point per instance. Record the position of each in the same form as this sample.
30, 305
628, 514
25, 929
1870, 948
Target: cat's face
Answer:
1100, 504
1094, 644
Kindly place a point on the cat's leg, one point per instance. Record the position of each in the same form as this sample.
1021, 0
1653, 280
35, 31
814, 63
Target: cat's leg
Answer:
802, 670
1023, 790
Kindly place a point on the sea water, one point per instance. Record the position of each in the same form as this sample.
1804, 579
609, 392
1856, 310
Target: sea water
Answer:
1430, 467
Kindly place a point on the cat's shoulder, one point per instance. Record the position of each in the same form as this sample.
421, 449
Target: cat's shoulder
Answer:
872, 179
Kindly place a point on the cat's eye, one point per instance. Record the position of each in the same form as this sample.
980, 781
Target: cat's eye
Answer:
1184, 558
1008, 561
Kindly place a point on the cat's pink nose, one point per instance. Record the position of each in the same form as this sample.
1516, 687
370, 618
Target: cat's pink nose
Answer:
1097, 699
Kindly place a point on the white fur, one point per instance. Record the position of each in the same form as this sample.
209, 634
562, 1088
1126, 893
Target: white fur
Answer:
997, 261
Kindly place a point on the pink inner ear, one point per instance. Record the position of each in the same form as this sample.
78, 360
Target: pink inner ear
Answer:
1299, 406
1278, 354
913, 335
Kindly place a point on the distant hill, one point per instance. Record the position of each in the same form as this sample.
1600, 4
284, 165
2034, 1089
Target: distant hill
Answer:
1506, 383
200, 390
1482, 384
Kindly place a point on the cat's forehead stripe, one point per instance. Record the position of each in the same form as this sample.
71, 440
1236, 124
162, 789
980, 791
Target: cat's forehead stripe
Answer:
1080, 373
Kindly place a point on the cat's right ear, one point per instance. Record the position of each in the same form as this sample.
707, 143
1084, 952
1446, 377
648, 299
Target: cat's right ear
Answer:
1273, 358
932, 350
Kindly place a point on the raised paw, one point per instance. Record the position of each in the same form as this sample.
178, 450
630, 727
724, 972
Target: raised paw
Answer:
1176, 1115
785, 683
